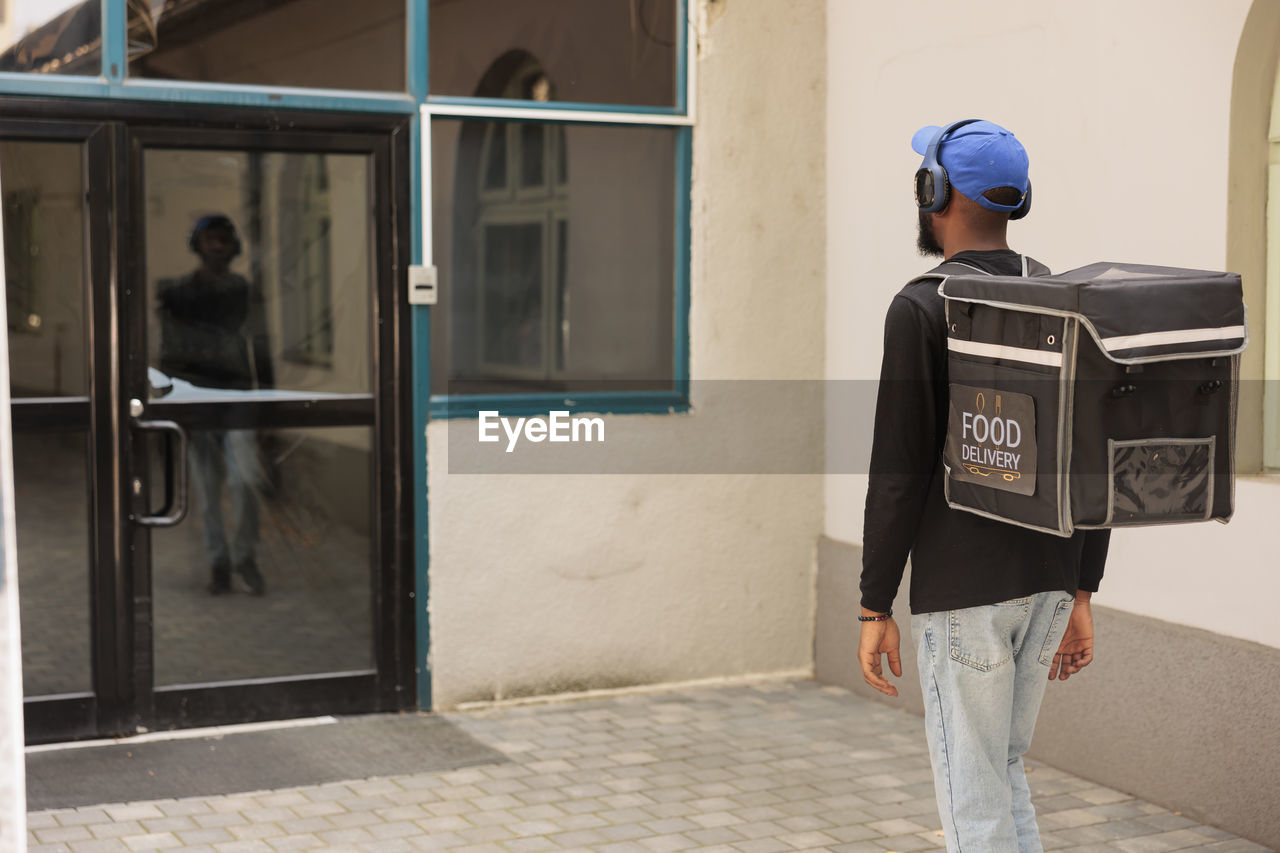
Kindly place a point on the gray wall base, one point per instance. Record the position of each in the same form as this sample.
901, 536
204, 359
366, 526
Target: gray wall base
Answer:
1174, 715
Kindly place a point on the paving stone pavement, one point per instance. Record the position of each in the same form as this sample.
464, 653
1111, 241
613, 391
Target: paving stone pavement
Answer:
768, 767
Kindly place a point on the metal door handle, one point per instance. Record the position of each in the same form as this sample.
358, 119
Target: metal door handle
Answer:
175, 479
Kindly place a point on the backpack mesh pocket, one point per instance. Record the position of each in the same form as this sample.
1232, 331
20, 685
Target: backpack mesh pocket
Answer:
1159, 480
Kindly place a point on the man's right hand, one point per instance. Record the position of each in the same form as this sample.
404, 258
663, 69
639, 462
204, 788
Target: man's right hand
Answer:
1075, 652
879, 638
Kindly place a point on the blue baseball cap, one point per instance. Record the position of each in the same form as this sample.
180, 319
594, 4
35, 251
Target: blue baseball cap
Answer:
979, 156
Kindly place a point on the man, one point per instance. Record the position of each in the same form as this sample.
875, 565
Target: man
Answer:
213, 334
992, 603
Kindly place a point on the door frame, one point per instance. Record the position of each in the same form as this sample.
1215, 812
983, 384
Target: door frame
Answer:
124, 698
77, 714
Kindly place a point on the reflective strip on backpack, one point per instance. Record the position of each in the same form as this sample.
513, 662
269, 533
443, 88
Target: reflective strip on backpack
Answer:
1031, 356
1176, 336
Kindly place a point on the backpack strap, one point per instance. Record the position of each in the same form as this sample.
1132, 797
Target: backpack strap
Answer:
1030, 267
947, 268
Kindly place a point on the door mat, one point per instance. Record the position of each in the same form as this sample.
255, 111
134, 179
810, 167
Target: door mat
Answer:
352, 748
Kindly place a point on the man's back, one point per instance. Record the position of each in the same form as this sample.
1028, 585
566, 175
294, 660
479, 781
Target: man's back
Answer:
202, 331
958, 559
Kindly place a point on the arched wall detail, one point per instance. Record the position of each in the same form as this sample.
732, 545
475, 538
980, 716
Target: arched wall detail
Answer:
1252, 88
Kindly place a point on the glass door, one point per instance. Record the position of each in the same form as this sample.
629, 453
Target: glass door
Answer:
57, 264
211, 405
259, 364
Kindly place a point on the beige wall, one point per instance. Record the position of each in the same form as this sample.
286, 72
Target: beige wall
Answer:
541, 583
1126, 111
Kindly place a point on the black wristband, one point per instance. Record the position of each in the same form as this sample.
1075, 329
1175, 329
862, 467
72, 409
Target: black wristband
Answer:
882, 617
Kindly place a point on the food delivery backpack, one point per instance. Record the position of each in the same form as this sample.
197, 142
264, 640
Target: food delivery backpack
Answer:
1097, 398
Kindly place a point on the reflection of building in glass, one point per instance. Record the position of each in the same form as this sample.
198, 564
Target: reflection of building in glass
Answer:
519, 241
44, 265
307, 234
58, 37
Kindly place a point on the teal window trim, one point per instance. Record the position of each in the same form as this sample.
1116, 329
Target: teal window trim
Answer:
440, 103
211, 94
264, 96
415, 55
682, 57
115, 49
416, 14
49, 86
420, 372
683, 257
469, 406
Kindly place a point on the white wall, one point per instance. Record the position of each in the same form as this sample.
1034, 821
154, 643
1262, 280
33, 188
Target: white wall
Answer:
541, 583
1125, 111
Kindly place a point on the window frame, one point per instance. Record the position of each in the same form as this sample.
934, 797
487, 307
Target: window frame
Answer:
682, 119
114, 83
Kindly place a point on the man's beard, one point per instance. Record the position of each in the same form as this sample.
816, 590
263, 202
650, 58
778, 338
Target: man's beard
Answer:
926, 241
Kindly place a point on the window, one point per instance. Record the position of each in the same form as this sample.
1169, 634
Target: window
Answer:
597, 51
556, 246
558, 231
51, 37
331, 44
328, 44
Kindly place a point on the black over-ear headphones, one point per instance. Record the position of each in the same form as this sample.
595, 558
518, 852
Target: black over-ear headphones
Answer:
933, 187
219, 221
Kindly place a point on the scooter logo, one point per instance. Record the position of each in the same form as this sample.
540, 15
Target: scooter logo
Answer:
991, 438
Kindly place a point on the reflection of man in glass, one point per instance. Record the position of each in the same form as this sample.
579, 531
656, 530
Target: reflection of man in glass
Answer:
213, 334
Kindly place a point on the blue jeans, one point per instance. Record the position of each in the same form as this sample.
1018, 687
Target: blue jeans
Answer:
227, 457
983, 672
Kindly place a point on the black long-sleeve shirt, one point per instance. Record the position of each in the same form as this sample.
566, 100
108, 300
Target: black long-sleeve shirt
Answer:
213, 332
958, 559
